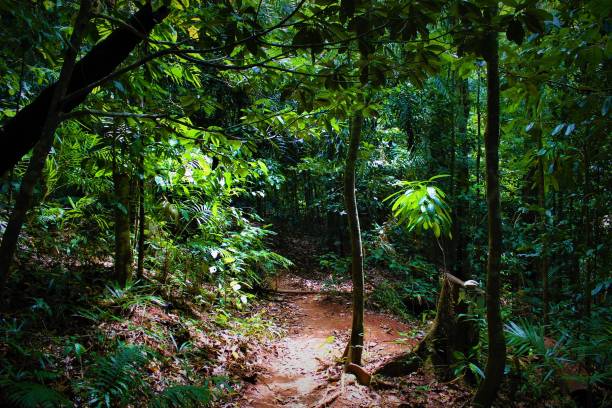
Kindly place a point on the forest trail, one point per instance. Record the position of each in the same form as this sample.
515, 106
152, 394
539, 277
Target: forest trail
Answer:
301, 368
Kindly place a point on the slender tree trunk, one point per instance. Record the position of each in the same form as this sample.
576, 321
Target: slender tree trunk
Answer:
23, 131
587, 232
17, 109
123, 250
42, 148
141, 228
410, 135
461, 181
494, 371
478, 134
355, 347
543, 255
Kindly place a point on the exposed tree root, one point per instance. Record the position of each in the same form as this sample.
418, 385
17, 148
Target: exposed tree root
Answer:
400, 366
363, 377
328, 400
448, 333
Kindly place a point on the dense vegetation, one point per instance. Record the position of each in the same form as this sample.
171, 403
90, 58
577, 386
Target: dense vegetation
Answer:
153, 153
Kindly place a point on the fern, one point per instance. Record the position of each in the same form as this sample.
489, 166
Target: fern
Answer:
114, 379
525, 338
182, 396
132, 294
30, 394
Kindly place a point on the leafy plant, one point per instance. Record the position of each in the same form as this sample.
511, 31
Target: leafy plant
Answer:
130, 295
421, 206
532, 357
388, 296
337, 266
466, 362
116, 379
27, 394
179, 396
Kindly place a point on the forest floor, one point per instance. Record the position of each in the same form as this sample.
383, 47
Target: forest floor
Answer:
281, 351
303, 369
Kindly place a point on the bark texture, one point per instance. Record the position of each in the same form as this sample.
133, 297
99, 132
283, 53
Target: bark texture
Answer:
355, 347
22, 132
141, 229
494, 371
47, 122
123, 250
544, 252
449, 332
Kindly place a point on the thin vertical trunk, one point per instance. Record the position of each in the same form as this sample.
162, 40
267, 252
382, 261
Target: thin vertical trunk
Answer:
42, 148
478, 134
123, 250
141, 227
17, 109
543, 255
496, 358
461, 185
355, 347
587, 233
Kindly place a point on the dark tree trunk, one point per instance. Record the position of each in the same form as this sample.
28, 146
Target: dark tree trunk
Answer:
449, 332
496, 358
123, 250
48, 122
544, 252
410, 136
22, 132
478, 135
141, 229
587, 298
355, 346
461, 182
439, 342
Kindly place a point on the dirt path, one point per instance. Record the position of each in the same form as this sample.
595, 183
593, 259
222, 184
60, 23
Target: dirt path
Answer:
301, 369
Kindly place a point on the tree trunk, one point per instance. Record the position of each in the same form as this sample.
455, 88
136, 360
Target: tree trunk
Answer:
355, 346
48, 122
449, 332
543, 255
141, 229
586, 196
494, 371
478, 135
123, 250
24, 130
439, 342
461, 181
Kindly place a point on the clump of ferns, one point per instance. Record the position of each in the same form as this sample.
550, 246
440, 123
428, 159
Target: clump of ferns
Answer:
132, 295
117, 379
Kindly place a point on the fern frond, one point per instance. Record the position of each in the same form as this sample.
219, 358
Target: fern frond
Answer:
33, 395
182, 396
113, 379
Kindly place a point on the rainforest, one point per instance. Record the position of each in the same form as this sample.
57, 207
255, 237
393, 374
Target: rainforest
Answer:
305, 203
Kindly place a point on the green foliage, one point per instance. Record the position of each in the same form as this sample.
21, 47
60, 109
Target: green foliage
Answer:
116, 379
247, 124
388, 297
526, 339
182, 396
337, 267
466, 362
33, 395
421, 206
131, 295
